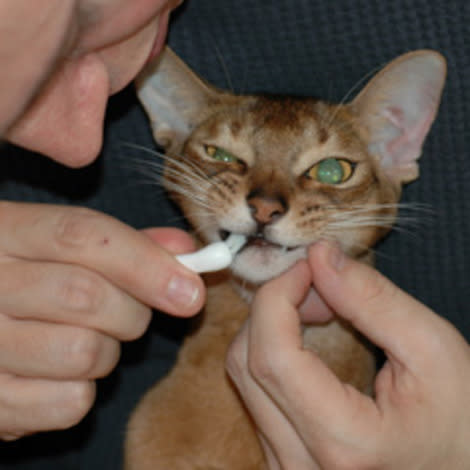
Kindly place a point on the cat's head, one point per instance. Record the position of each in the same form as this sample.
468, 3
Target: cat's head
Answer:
287, 172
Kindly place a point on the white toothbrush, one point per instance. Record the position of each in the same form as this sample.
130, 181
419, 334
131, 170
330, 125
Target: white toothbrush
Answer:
214, 257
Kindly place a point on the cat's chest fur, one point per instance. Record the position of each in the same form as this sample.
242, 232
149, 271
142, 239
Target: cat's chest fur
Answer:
194, 419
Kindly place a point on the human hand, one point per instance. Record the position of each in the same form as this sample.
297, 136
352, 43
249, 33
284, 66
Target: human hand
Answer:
308, 419
73, 284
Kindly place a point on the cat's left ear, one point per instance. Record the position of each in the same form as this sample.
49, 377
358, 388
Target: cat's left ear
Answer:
175, 99
398, 107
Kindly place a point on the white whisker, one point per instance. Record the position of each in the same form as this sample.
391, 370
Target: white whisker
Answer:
183, 172
195, 198
183, 162
347, 95
222, 62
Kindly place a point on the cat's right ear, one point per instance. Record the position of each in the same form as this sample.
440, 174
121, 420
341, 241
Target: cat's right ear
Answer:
398, 107
174, 98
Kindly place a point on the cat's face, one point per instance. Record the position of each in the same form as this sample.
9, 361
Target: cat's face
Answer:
284, 172
288, 172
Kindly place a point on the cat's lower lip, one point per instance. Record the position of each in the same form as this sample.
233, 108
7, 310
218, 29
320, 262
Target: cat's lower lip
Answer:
261, 242
258, 241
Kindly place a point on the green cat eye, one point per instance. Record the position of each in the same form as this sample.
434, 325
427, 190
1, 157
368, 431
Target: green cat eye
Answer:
331, 171
220, 155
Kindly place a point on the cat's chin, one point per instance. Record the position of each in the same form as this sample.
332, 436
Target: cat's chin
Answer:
258, 265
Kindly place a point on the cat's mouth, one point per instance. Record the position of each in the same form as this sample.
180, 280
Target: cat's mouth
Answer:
261, 259
259, 241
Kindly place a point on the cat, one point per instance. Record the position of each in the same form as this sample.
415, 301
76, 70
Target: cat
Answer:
286, 172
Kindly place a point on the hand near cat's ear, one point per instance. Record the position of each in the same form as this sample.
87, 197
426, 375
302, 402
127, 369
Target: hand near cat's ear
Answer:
308, 419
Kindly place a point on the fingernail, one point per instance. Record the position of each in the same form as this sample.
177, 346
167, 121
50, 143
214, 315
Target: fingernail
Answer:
335, 256
183, 292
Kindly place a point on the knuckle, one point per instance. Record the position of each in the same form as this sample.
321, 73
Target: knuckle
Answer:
266, 367
377, 290
82, 291
440, 346
84, 351
111, 358
78, 402
235, 363
142, 318
75, 228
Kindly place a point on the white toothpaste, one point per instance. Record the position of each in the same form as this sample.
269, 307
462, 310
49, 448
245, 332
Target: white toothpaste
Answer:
214, 257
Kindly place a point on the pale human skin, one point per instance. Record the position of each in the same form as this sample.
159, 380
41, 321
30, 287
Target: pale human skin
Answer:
308, 420
73, 282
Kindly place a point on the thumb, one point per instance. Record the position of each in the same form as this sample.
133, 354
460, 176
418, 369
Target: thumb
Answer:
389, 317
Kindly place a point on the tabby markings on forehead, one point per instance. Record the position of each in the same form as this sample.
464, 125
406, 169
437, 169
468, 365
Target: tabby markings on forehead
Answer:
287, 125
281, 112
236, 127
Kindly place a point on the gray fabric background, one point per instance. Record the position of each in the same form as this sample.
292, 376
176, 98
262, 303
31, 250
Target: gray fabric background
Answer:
307, 47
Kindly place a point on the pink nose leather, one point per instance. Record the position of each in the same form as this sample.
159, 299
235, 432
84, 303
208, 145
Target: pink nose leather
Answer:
265, 210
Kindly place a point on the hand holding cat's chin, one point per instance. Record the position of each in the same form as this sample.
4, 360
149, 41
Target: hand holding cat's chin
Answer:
419, 416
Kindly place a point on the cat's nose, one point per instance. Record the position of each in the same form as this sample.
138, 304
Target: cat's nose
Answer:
266, 210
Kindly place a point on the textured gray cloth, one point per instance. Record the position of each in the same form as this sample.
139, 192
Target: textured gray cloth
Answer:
321, 48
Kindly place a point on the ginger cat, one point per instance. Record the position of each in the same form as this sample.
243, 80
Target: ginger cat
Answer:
286, 172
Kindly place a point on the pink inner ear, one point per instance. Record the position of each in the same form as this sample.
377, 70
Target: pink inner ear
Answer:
398, 107
404, 147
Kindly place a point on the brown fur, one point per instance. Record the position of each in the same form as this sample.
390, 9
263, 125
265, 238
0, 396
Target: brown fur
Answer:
193, 419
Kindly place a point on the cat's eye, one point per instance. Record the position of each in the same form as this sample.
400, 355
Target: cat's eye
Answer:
220, 155
331, 171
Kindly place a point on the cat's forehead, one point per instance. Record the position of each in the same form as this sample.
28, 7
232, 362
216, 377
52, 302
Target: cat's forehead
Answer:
291, 130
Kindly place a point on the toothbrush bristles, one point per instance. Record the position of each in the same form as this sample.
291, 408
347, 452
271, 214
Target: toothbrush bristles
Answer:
235, 242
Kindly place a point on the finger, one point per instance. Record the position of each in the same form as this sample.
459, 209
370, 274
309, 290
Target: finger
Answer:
291, 288
125, 256
33, 405
52, 351
282, 446
389, 317
173, 240
69, 294
272, 462
303, 387
314, 309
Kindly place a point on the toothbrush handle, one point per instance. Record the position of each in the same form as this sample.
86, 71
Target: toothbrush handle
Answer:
213, 257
